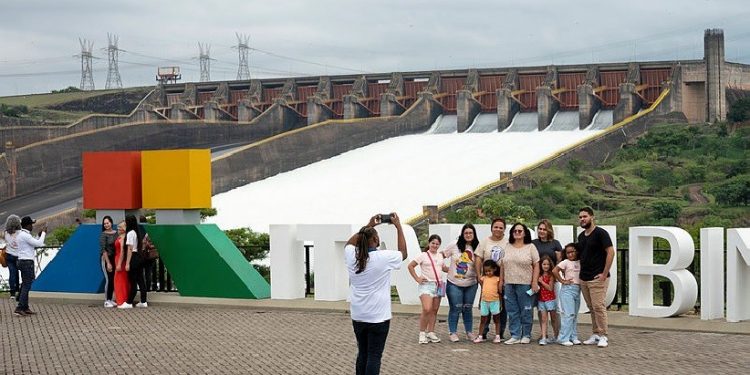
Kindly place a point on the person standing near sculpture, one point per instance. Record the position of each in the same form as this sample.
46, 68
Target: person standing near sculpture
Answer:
370, 289
107, 252
27, 245
134, 263
596, 258
121, 283
12, 225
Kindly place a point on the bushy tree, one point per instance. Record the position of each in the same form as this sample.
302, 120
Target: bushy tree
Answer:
253, 245
740, 110
733, 191
664, 209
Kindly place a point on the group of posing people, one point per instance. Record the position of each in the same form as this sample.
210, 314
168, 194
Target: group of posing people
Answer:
515, 275
123, 263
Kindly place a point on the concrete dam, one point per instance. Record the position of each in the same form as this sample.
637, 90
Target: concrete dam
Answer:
288, 123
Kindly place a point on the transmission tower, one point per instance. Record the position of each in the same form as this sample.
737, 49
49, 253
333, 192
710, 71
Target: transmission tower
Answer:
205, 61
243, 72
113, 73
87, 77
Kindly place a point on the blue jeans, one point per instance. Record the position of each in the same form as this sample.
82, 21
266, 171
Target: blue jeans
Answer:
370, 345
460, 300
13, 273
26, 266
570, 302
519, 306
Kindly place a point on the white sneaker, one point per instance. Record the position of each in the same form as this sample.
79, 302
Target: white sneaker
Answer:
603, 342
109, 303
423, 338
592, 340
125, 305
512, 341
141, 304
551, 340
525, 340
566, 343
576, 342
542, 341
432, 337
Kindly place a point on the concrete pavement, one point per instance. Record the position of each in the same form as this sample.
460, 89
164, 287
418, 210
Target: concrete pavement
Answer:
179, 335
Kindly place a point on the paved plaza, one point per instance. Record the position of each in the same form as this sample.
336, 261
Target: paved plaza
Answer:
85, 338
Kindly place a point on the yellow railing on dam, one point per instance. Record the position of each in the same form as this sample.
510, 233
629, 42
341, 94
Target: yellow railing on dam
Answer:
492, 185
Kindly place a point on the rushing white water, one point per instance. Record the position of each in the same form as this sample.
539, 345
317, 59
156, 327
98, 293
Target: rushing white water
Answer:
399, 174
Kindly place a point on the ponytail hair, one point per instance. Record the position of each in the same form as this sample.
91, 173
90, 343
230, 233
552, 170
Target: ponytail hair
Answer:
363, 243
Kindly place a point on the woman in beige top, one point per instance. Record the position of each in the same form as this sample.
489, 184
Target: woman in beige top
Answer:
519, 273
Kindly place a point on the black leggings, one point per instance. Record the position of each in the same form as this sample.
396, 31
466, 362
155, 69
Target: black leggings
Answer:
110, 278
135, 276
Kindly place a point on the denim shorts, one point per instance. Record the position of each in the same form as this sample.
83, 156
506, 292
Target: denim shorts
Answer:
547, 306
429, 288
489, 308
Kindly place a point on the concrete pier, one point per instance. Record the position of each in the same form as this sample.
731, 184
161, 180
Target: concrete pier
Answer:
713, 44
467, 109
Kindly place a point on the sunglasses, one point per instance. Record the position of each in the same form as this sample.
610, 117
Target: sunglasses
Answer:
517, 230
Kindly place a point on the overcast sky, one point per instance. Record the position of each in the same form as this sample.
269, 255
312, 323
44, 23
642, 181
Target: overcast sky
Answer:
39, 39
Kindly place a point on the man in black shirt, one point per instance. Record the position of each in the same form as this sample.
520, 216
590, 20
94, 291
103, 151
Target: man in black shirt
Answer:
596, 258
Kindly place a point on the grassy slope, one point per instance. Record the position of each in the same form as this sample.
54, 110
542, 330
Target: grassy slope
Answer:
666, 178
37, 103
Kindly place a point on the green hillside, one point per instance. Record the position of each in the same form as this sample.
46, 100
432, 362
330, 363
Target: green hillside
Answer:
71, 104
691, 176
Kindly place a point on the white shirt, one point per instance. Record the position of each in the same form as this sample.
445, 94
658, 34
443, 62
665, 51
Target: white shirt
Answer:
12, 244
132, 239
371, 289
27, 244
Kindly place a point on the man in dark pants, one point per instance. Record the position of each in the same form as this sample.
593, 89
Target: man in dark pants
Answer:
26, 253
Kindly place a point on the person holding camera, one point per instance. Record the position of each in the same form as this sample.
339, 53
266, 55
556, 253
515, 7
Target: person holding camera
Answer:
27, 245
370, 282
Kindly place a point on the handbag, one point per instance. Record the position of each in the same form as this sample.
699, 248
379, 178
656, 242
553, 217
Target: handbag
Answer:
3, 262
149, 250
440, 285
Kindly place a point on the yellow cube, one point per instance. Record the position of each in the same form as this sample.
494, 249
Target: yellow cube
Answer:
176, 179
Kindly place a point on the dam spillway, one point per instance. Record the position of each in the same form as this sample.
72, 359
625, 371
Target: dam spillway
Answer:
399, 174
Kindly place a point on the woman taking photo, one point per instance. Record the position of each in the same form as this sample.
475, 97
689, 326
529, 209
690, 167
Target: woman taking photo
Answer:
370, 282
431, 287
519, 274
462, 281
107, 252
